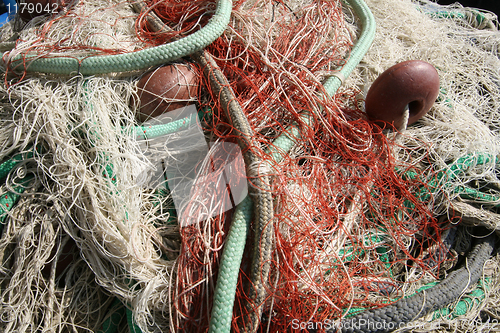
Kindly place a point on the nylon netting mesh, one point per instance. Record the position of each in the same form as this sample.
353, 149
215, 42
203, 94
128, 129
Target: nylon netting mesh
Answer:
327, 253
359, 220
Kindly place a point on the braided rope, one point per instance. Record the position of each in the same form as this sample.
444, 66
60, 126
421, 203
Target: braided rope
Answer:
405, 310
131, 61
262, 205
260, 190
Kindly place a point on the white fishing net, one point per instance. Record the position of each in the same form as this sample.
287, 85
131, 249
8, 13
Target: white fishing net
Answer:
82, 200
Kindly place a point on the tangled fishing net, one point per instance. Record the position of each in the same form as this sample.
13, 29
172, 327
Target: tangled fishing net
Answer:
363, 215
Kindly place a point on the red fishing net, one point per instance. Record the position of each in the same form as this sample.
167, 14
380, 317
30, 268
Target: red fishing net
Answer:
348, 224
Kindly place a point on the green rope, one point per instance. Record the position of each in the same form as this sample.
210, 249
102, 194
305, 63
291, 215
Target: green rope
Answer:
457, 168
463, 164
9, 164
155, 131
359, 50
92, 65
232, 254
227, 279
283, 143
476, 195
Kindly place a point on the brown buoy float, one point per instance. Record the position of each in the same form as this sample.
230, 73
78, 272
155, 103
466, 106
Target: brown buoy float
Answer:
166, 88
412, 85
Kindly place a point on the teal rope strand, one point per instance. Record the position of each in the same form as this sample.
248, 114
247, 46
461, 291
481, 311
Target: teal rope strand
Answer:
9, 199
462, 164
285, 142
359, 50
93, 65
155, 131
457, 168
227, 279
473, 194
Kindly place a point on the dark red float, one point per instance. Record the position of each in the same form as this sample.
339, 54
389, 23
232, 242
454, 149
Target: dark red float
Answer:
412, 84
